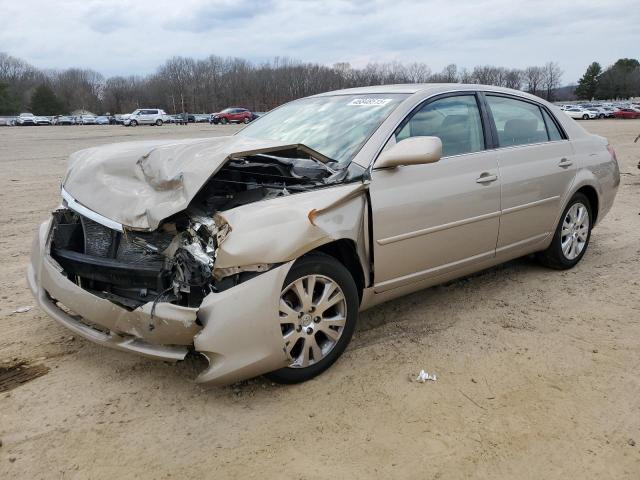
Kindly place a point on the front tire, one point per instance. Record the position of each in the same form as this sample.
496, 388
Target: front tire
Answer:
134, 123
224, 121
571, 237
318, 312
585, 117
159, 122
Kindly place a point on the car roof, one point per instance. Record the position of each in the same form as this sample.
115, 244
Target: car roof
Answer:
428, 88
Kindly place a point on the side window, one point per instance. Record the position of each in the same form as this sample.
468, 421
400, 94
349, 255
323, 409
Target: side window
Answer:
552, 128
517, 122
455, 120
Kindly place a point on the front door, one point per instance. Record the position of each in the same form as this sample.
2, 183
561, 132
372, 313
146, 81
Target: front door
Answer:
434, 218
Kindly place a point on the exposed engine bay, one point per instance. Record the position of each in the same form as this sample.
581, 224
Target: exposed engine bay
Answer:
176, 262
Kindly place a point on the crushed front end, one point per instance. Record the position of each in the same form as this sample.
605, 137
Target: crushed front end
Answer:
159, 293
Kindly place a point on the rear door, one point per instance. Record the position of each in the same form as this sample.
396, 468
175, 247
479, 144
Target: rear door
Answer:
434, 218
148, 116
537, 168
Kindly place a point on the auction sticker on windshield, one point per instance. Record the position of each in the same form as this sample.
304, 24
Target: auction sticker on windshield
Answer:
371, 102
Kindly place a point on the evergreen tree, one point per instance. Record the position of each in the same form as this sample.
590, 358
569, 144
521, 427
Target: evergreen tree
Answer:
45, 102
588, 84
9, 104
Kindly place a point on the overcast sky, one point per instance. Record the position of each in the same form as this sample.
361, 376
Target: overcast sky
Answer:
134, 37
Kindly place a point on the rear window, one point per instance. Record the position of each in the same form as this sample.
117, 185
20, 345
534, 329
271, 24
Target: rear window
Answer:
552, 128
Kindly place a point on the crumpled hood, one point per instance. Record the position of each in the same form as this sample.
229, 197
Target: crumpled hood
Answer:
138, 184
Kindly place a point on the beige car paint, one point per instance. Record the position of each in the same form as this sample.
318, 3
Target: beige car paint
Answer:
280, 229
438, 212
239, 337
430, 223
412, 151
139, 184
535, 180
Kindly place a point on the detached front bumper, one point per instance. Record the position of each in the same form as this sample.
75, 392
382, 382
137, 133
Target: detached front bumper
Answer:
237, 330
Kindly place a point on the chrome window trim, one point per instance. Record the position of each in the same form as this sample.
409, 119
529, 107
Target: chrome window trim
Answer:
82, 210
418, 102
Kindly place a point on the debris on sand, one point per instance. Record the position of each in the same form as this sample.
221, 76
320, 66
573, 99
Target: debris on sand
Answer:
23, 309
424, 377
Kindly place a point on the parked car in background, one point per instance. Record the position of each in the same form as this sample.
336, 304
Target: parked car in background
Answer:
86, 120
102, 120
7, 121
627, 113
580, 113
259, 250
609, 111
599, 111
146, 116
40, 120
177, 119
63, 120
231, 115
26, 120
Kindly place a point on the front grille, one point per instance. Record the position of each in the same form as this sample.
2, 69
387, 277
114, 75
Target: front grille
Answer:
98, 239
126, 266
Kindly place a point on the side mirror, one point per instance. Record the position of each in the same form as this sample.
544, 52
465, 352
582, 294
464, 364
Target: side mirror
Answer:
411, 151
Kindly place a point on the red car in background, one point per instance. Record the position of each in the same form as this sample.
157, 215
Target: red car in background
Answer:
627, 113
232, 115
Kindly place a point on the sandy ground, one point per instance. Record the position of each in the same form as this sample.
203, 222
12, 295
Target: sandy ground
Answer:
537, 369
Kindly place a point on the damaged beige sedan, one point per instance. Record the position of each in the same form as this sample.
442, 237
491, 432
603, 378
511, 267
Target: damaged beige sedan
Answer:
258, 250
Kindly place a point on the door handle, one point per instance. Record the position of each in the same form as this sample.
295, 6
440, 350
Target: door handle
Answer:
486, 178
564, 163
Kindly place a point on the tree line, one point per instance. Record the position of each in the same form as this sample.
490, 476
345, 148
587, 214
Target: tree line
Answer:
619, 81
213, 83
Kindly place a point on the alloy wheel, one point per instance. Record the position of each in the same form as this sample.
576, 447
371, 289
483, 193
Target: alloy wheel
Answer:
575, 231
313, 315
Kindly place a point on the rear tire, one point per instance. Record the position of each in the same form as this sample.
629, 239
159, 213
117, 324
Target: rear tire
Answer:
572, 235
323, 326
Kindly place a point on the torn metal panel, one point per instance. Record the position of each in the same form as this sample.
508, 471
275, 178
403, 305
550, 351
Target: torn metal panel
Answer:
280, 230
138, 184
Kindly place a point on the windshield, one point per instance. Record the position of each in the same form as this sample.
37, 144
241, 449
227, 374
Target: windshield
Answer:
336, 126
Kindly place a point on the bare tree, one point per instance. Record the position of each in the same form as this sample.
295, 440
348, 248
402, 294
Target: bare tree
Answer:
213, 83
533, 77
513, 78
552, 73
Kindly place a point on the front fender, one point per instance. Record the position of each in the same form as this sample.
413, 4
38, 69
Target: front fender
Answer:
283, 229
